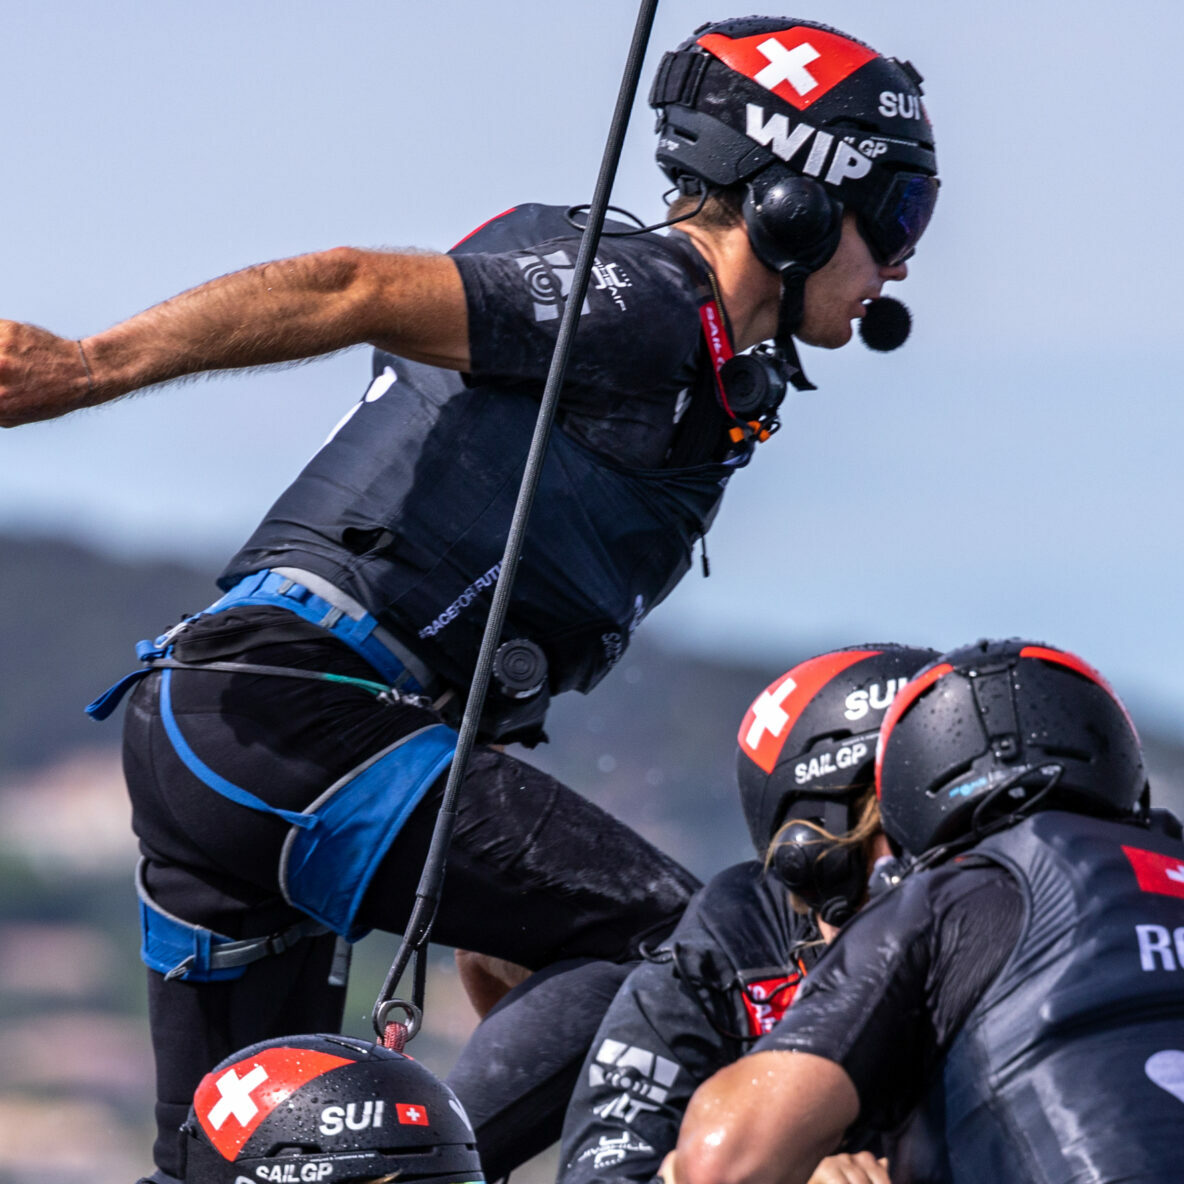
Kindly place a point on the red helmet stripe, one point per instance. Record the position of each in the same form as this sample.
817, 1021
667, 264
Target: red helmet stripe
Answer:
769, 721
232, 1101
904, 700
1073, 662
797, 64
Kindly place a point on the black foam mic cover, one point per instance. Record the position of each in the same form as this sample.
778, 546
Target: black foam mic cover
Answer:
885, 324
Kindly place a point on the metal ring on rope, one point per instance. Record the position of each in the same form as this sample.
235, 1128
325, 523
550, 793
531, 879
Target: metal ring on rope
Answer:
413, 1014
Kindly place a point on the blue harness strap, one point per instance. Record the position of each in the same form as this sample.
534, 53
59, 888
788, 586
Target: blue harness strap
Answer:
314, 600
334, 847
325, 871
194, 953
321, 604
203, 772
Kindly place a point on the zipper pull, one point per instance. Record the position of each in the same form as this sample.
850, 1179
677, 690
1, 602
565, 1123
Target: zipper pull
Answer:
703, 556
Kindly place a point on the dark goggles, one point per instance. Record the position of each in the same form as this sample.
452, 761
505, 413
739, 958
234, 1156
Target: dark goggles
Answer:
892, 225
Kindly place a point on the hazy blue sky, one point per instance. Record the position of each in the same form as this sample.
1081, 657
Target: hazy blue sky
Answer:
1015, 469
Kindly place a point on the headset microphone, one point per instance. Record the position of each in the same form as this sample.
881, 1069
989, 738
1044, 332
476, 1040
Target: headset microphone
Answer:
885, 324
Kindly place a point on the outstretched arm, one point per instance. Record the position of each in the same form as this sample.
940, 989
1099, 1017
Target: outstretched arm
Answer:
410, 304
767, 1119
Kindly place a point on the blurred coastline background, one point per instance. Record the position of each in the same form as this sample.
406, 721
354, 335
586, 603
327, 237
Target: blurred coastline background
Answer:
1013, 470
654, 744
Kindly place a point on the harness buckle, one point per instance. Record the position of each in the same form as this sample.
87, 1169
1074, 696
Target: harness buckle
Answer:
181, 969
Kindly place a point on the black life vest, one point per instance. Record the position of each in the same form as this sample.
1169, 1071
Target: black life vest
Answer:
407, 508
741, 951
1071, 1066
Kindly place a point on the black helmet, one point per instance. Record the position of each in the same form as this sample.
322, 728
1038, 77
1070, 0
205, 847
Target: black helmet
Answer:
807, 746
813, 121
328, 1109
989, 732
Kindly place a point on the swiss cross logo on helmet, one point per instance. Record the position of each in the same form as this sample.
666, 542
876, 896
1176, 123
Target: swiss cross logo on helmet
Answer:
411, 1114
799, 65
230, 1103
768, 722
1163, 874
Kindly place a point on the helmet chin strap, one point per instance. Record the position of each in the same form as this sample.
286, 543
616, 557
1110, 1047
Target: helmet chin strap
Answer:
789, 318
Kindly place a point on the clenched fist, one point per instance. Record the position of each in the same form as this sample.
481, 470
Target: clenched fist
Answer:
41, 375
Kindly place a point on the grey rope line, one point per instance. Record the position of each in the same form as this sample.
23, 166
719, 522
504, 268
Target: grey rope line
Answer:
427, 897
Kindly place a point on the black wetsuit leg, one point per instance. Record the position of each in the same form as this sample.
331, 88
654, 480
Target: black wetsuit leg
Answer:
517, 1072
536, 873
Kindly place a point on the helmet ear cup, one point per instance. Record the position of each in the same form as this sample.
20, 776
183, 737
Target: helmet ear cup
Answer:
827, 876
791, 220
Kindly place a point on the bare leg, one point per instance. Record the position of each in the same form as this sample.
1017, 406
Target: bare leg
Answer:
486, 979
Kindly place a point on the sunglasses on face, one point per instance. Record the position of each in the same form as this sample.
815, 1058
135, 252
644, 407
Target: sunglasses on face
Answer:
893, 225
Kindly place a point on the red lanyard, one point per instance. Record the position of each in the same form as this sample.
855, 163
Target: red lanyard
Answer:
715, 331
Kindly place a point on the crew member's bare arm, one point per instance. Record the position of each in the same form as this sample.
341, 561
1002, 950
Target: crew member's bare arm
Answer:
410, 304
769, 1118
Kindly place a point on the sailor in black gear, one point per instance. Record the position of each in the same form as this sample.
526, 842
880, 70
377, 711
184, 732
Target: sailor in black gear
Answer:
536, 874
1010, 1011
698, 1000
285, 748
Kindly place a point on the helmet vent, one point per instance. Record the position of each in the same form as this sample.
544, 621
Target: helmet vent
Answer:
936, 787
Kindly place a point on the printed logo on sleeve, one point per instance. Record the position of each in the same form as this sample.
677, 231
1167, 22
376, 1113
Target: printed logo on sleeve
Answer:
611, 1150
1163, 874
643, 1078
1166, 1069
1160, 948
798, 65
232, 1103
548, 278
610, 278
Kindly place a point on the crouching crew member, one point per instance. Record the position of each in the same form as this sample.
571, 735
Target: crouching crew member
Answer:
727, 973
1013, 1008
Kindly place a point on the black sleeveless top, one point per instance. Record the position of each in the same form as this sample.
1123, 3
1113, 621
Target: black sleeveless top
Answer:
1038, 1045
407, 506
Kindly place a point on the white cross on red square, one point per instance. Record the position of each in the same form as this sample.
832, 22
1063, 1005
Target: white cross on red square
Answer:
236, 1100
409, 1113
787, 65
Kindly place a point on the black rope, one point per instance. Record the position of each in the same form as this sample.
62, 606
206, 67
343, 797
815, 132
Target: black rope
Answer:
572, 215
427, 896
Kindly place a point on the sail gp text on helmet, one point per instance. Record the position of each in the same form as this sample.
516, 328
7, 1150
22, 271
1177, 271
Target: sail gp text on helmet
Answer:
847, 757
289, 1173
774, 132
